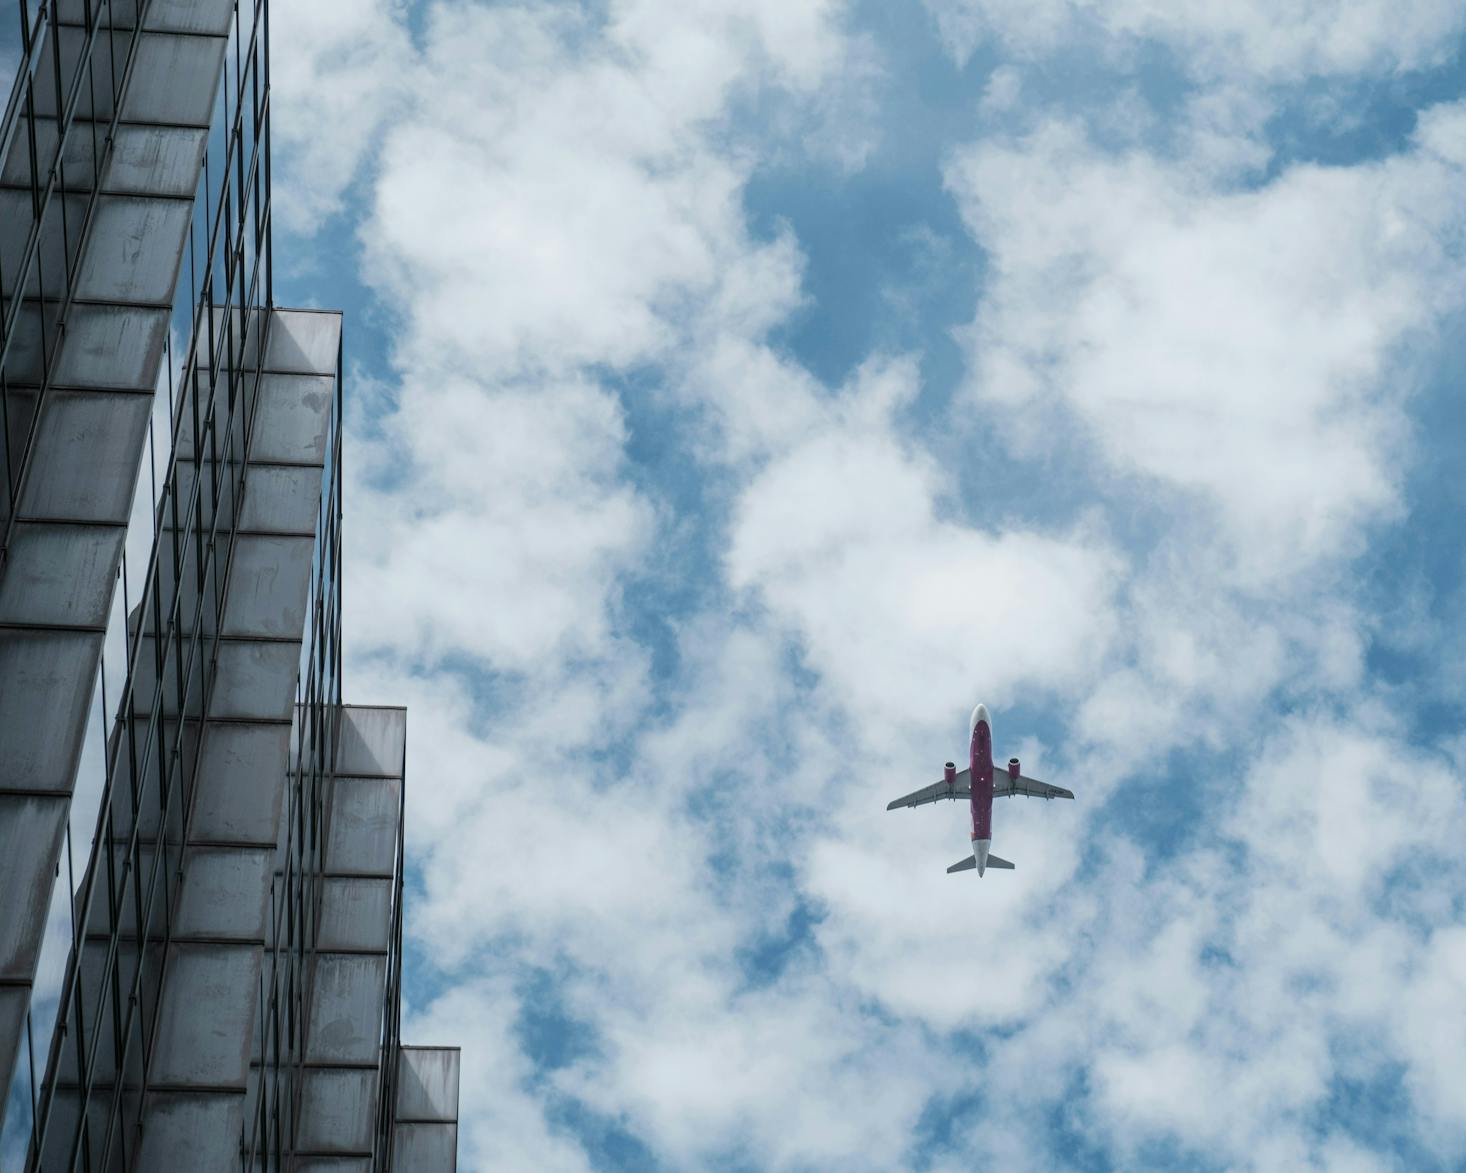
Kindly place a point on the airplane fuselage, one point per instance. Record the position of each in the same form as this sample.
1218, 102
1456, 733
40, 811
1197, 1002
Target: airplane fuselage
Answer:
982, 786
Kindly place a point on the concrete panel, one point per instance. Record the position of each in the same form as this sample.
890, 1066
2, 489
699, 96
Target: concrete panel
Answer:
245, 353
30, 844
346, 1008
364, 819
197, 1131
303, 342
138, 244
46, 683
95, 100
373, 741
282, 499
175, 80
241, 783
174, 16
154, 160
106, 346
255, 681
292, 417
355, 914
427, 1084
87, 453
425, 1148
60, 574
226, 891
337, 1111
207, 1016
269, 579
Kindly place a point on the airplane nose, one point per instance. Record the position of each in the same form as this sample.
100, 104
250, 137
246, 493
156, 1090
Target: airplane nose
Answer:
980, 714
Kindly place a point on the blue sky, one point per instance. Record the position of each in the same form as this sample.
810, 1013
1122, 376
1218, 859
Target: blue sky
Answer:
742, 391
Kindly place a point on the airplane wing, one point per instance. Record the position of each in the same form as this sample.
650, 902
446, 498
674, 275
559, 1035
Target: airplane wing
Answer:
1004, 785
961, 787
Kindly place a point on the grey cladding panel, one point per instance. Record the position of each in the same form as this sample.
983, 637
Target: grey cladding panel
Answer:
333, 1165
136, 248
30, 843
292, 415
46, 684
427, 1084
207, 1015
76, 162
373, 741
337, 1110
175, 80
364, 820
87, 453
256, 681
172, 16
60, 574
303, 342
59, 238
425, 1148
106, 346
268, 583
346, 1008
197, 1131
13, 1003
281, 499
356, 914
226, 891
241, 782
155, 160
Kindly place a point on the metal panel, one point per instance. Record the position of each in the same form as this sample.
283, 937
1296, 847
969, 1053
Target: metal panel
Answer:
154, 160
303, 342
175, 16
346, 1008
427, 1084
241, 781
372, 741
100, 88
333, 1165
60, 574
58, 231
282, 499
175, 80
364, 816
30, 844
256, 681
46, 684
13, 1003
337, 1108
106, 346
76, 162
269, 578
197, 1131
291, 417
87, 453
207, 1015
355, 914
425, 1148
225, 892
144, 245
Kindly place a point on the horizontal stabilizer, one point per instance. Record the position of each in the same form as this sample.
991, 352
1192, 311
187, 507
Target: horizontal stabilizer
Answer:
965, 865
995, 862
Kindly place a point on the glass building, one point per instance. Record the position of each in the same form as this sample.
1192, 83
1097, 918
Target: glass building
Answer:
201, 859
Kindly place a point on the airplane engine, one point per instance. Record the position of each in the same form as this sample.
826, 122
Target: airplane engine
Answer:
1013, 768
949, 773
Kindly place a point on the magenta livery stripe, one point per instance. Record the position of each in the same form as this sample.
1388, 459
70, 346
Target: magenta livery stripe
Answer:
982, 781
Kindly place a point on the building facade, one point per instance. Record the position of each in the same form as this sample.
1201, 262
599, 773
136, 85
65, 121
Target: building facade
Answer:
201, 847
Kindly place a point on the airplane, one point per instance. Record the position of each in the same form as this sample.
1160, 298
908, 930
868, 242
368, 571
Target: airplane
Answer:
979, 784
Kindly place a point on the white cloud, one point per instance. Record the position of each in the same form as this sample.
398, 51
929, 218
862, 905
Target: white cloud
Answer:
1248, 351
1270, 40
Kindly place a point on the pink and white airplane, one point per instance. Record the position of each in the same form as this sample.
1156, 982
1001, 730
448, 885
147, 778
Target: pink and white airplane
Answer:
979, 784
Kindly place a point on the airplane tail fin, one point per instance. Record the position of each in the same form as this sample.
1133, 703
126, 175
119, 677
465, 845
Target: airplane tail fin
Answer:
970, 863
